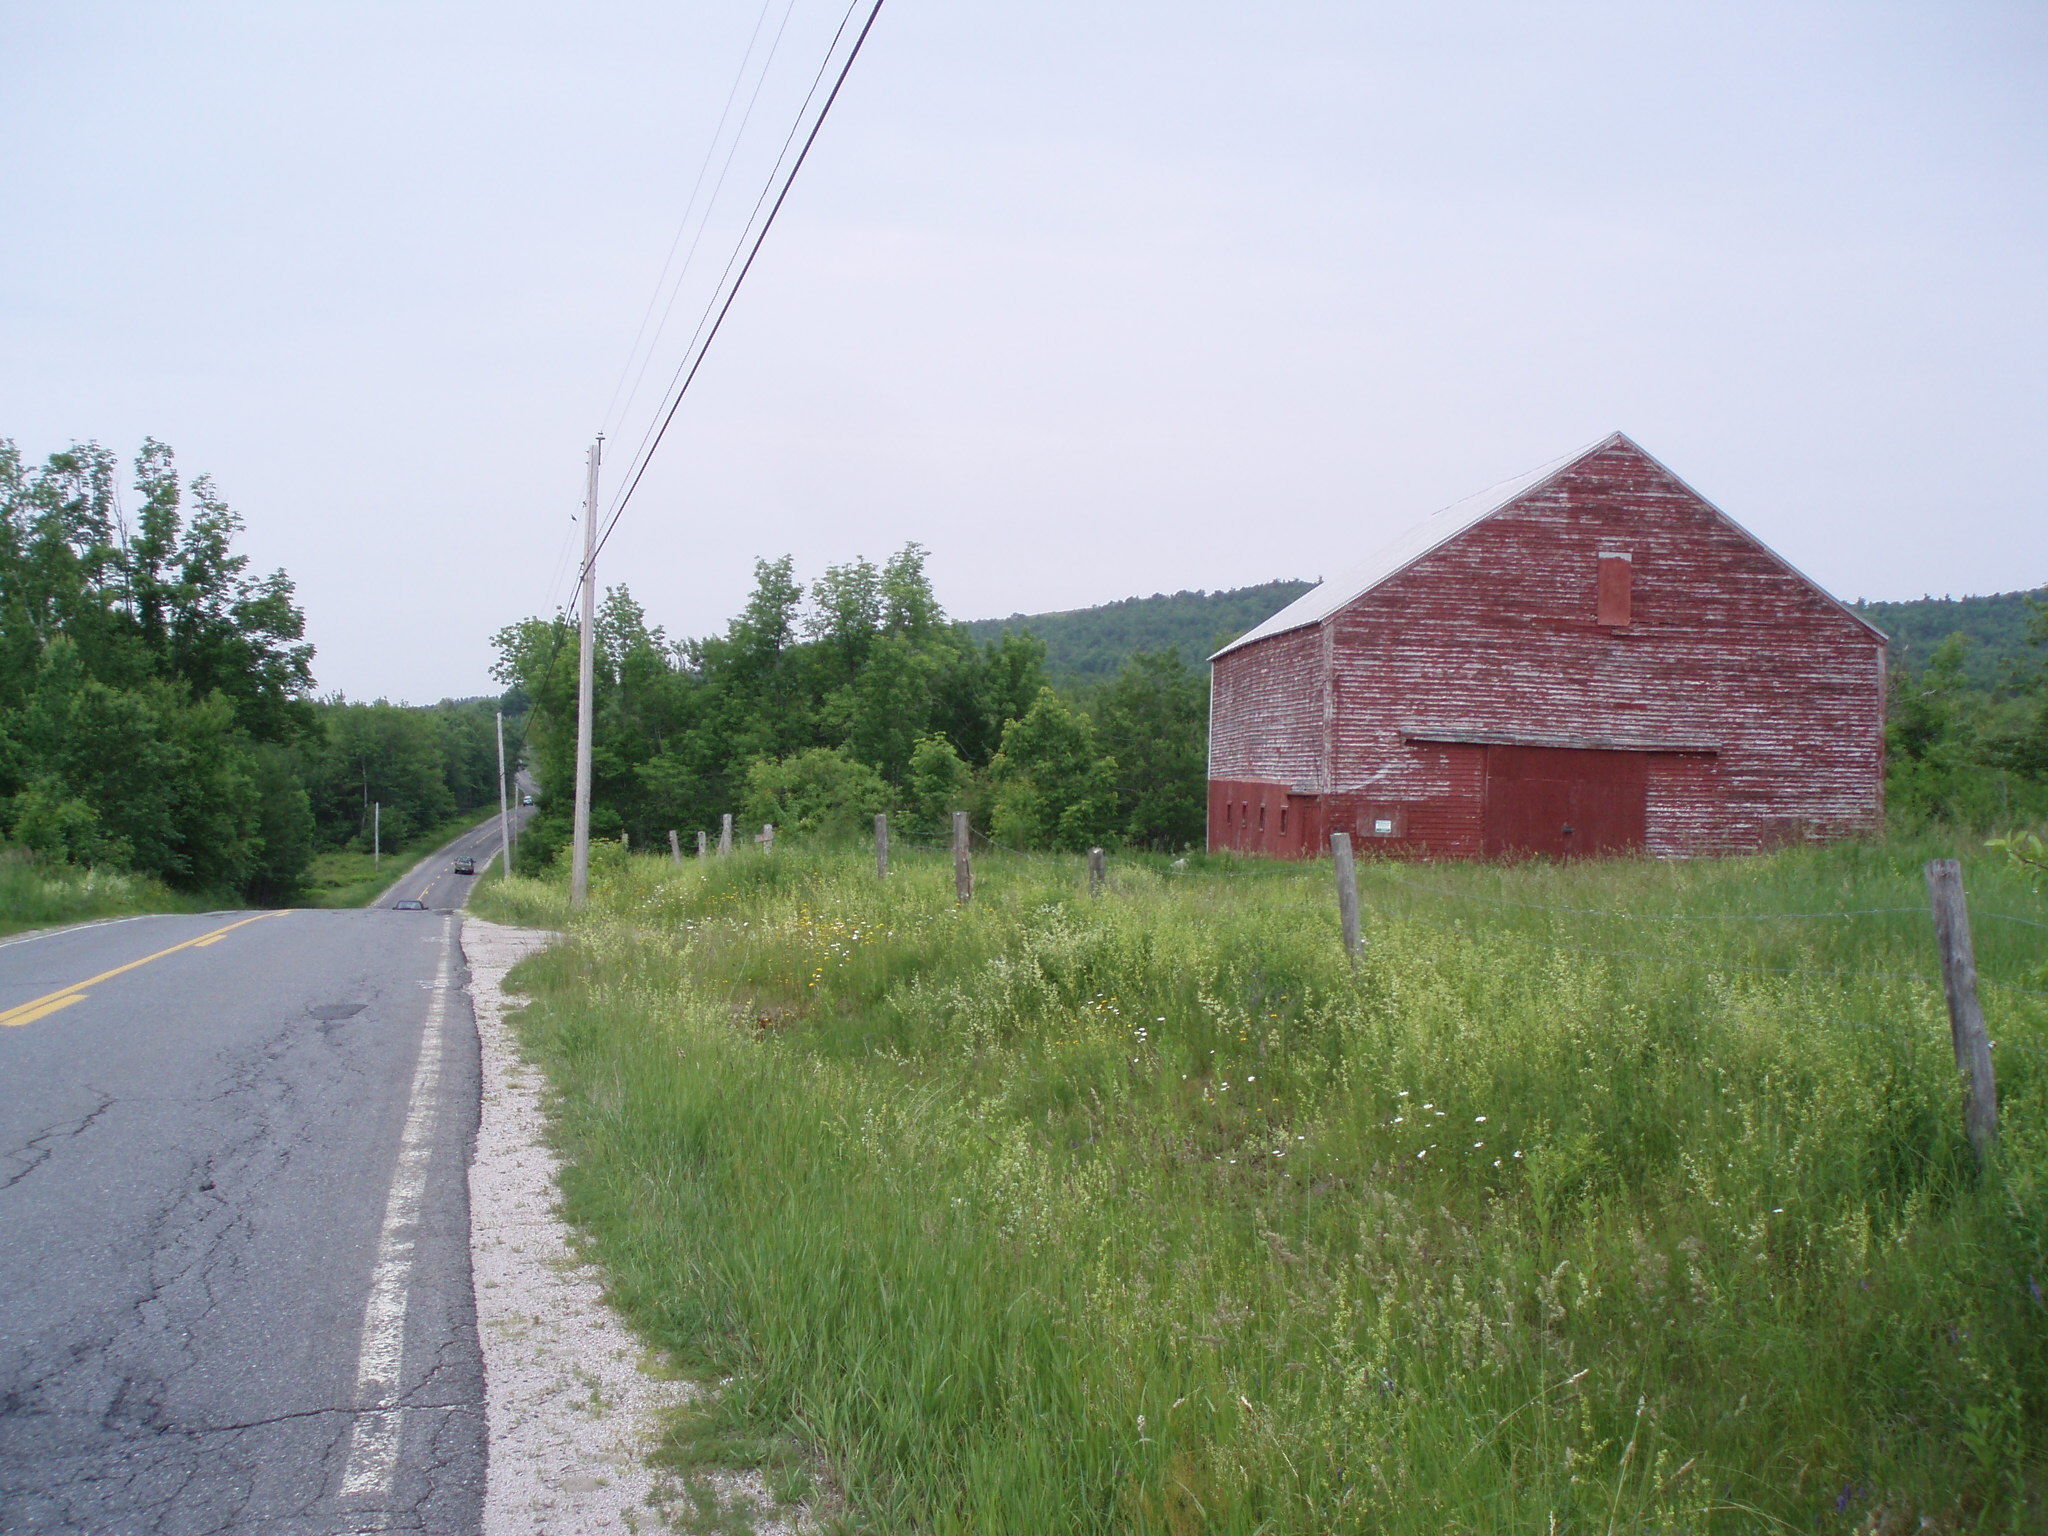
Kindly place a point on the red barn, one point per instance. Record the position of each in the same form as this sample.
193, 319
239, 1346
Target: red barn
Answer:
1588, 659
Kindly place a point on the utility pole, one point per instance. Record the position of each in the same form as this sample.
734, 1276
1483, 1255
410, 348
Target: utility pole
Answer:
579, 865
377, 835
504, 814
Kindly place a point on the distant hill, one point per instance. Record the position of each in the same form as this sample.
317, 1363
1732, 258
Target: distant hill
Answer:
1089, 643
1997, 624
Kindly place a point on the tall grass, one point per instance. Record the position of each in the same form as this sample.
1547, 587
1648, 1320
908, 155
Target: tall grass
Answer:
1152, 1213
37, 894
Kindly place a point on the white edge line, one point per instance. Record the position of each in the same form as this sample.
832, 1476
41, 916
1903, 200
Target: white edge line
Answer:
380, 1353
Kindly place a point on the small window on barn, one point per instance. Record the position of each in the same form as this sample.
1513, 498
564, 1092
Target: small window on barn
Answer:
1262, 815
1229, 813
1283, 821
1617, 582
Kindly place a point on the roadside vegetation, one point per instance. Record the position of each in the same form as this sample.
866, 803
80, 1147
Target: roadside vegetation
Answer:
1614, 1197
158, 730
37, 894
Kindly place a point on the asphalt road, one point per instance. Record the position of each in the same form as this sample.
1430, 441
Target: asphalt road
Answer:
234, 1230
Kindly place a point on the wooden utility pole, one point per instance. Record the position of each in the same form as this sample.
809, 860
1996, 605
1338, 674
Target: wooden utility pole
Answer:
882, 846
1965, 1014
504, 809
1347, 893
1094, 871
377, 835
579, 855
963, 866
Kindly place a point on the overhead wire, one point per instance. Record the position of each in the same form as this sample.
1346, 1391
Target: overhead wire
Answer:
701, 338
703, 347
690, 207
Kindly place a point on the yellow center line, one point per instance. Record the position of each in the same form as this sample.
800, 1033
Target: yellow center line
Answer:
64, 997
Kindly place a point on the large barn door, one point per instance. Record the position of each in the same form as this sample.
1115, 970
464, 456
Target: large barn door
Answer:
1564, 802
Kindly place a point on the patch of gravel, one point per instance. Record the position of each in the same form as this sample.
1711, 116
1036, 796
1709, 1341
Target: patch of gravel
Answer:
572, 1410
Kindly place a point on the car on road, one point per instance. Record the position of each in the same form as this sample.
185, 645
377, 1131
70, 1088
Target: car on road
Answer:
526, 799
408, 905
465, 866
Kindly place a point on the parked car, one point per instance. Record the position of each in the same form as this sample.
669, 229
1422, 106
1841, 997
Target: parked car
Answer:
465, 866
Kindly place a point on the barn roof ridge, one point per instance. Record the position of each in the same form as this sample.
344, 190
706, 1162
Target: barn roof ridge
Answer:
1440, 527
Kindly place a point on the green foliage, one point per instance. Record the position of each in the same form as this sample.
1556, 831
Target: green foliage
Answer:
1152, 1213
1962, 755
940, 783
36, 892
821, 793
1997, 629
1153, 717
1086, 644
1053, 788
868, 669
152, 691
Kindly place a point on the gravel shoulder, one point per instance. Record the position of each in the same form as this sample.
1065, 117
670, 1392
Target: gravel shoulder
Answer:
572, 1410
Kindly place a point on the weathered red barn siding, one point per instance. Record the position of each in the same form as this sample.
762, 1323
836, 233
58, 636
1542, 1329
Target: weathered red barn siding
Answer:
1757, 701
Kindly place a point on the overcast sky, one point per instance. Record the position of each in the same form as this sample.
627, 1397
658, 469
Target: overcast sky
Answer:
1091, 299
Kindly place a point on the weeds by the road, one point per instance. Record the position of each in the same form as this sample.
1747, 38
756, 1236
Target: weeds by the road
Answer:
37, 894
1151, 1213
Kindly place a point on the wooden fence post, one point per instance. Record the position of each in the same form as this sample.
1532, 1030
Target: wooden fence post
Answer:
882, 846
725, 834
1094, 871
1347, 893
1965, 1015
963, 868
675, 846
767, 837
703, 845
626, 841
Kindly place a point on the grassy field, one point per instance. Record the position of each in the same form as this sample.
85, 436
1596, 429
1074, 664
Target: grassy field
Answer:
34, 894
343, 877
1595, 1199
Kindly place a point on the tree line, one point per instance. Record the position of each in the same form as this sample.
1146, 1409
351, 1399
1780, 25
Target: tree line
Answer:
820, 706
1965, 746
156, 696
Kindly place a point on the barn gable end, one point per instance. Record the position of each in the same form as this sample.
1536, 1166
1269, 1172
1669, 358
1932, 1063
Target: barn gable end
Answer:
1598, 647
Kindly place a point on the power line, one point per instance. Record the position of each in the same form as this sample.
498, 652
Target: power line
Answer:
690, 206
732, 293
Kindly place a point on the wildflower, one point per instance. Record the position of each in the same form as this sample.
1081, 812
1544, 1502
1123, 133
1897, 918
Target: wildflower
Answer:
1477, 1145
1423, 1153
1479, 1119
1251, 1079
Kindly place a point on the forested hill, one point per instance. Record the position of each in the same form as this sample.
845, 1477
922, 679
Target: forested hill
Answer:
1996, 627
1093, 642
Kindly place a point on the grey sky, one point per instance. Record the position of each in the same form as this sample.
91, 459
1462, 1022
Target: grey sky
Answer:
1092, 300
